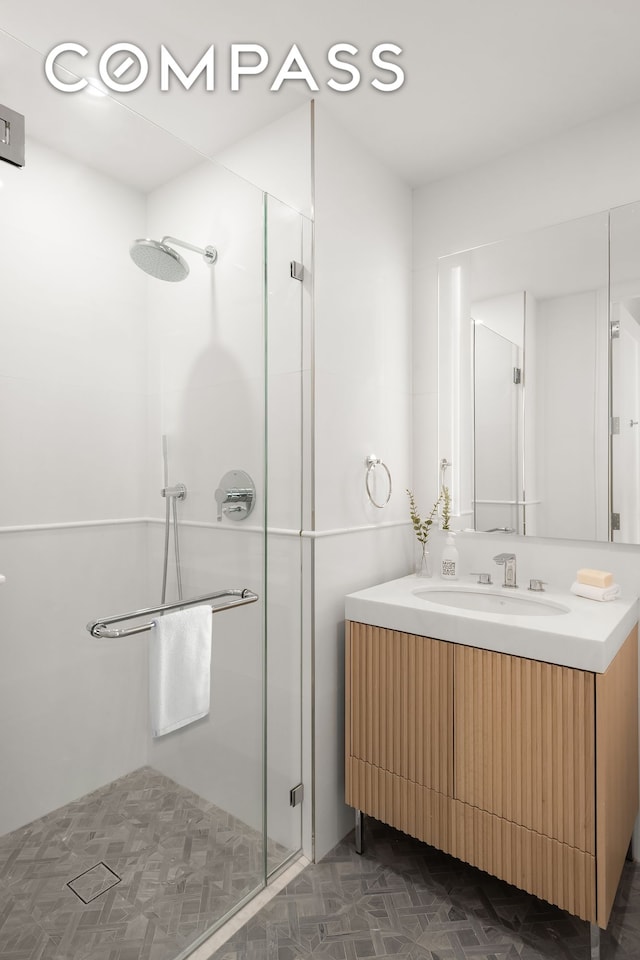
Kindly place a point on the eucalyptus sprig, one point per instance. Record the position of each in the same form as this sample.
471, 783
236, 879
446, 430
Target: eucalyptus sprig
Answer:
446, 508
421, 527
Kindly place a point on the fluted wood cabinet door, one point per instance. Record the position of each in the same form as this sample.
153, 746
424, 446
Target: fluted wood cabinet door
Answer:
400, 704
524, 743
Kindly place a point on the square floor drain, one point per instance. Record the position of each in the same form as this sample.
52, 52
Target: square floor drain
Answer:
93, 882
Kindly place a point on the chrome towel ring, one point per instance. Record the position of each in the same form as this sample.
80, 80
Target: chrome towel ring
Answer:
371, 463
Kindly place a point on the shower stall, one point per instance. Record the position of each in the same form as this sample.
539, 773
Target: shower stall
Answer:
125, 401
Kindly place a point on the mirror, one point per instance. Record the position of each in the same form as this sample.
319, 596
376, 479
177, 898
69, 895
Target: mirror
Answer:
625, 372
539, 386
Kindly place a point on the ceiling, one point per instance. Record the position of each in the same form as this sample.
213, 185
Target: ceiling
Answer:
483, 77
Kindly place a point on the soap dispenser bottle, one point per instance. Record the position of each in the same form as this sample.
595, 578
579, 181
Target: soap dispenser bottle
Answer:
449, 559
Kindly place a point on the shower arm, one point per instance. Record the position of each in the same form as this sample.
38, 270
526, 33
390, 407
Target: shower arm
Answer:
209, 254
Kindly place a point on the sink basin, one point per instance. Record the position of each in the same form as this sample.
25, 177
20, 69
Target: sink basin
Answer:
503, 603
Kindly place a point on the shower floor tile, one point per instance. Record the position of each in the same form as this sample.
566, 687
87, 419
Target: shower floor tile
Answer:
93, 883
156, 864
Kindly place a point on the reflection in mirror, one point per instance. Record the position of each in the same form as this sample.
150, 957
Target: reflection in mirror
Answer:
625, 373
497, 400
523, 412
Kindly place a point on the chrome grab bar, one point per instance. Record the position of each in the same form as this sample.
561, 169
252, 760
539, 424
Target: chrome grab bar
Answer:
99, 628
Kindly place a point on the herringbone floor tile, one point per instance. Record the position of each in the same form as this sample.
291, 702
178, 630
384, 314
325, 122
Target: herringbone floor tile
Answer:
404, 899
181, 864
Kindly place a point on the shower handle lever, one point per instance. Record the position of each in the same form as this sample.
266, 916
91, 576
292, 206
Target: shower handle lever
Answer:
240, 498
237, 490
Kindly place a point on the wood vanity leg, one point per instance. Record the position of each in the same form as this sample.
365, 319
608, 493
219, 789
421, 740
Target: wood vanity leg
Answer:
595, 941
359, 830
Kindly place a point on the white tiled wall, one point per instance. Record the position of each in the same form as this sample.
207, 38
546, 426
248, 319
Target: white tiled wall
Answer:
277, 158
72, 408
73, 709
362, 330
206, 339
72, 367
363, 401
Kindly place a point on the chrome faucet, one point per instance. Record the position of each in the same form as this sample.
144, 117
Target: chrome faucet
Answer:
509, 561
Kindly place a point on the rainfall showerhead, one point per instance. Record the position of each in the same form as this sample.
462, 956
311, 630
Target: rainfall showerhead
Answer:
160, 260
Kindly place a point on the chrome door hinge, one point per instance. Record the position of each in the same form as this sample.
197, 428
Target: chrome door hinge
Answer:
615, 521
296, 795
517, 374
297, 270
11, 136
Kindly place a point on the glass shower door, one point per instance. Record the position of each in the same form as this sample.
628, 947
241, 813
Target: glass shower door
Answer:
287, 242
110, 837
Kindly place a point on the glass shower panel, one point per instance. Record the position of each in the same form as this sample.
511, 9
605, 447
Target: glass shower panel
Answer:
114, 384
284, 233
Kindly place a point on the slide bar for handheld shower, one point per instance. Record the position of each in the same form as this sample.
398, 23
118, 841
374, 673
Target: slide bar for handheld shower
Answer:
99, 628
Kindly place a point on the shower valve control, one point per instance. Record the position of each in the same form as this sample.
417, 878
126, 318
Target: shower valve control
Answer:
235, 496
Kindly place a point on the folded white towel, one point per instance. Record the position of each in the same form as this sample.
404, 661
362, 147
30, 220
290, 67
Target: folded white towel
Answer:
595, 593
179, 669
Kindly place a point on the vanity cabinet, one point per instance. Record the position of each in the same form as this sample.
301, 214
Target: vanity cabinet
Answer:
399, 765
525, 769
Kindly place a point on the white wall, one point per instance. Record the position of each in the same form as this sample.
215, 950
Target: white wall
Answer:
72, 417
277, 158
362, 405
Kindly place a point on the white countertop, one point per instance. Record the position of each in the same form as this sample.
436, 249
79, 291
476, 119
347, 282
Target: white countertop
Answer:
587, 637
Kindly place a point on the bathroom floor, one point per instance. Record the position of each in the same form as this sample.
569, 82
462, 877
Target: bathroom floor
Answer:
404, 899
133, 871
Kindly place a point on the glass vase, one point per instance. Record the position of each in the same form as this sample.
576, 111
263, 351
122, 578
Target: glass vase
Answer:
423, 561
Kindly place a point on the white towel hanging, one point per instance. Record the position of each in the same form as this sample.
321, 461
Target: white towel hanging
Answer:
179, 669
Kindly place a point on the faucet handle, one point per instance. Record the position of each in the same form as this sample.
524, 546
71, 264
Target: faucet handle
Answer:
483, 577
537, 585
